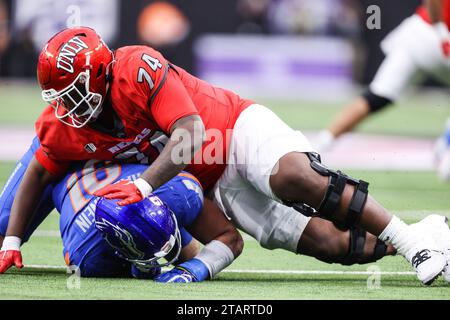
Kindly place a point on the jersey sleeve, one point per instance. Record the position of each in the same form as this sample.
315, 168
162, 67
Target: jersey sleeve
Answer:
186, 237
54, 167
172, 102
48, 139
148, 81
166, 97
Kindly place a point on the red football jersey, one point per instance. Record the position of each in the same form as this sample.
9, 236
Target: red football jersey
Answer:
148, 95
423, 12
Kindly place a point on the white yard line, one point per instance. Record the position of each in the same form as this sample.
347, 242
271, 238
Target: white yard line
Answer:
321, 272
47, 233
256, 271
42, 266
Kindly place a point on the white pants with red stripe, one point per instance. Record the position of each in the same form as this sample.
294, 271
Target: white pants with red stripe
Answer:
412, 49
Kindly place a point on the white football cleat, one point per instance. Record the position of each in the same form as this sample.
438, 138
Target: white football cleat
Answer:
427, 260
436, 226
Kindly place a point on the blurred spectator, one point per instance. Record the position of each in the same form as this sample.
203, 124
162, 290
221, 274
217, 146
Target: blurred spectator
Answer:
161, 24
254, 15
42, 19
4, 31
172, 26
195, 17
325, 17
34, 22
4, 26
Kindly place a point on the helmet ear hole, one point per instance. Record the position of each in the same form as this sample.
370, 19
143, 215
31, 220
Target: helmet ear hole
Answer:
44, 72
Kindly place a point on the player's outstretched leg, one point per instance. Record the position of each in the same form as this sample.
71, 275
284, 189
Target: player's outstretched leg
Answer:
322, 240
346, 120
300, 179
351, 116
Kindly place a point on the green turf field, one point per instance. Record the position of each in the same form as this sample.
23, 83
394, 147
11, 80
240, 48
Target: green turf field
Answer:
411, 195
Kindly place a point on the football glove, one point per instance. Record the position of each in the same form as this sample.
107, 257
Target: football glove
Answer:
193, 270
140, 272
130, 192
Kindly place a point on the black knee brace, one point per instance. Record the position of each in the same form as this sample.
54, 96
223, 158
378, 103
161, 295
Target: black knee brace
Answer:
357, 243
376, 102
336, 184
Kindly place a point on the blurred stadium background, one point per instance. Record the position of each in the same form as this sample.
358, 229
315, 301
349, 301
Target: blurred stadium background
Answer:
302, 58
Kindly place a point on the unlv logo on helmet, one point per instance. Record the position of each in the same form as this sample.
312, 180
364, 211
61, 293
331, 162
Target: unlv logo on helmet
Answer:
68, 52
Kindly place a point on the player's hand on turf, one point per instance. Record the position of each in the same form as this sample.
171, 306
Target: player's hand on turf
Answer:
10, 253
193, 270
9, 258
176, 275
124, 189
140, 272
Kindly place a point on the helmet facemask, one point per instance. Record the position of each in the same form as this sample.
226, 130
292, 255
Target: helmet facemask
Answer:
75, 105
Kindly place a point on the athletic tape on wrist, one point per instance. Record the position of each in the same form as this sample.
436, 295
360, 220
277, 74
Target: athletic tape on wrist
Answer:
216, 256
11, 243
144, 187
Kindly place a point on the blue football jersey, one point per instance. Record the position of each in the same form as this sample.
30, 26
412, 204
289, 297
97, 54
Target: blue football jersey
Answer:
74, 194
73, 198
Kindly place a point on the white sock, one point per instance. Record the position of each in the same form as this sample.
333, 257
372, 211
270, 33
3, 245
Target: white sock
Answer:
324, 141
399, 235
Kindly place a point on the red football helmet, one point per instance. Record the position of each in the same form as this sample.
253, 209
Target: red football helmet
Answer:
73, 71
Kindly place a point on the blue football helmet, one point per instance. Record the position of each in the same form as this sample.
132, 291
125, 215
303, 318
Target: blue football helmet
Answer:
141, 233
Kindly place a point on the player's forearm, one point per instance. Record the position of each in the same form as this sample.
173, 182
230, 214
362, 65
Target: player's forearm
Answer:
185, 141
189, 251
211, 224
163, 168
220, 252
28, 195
223, 243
